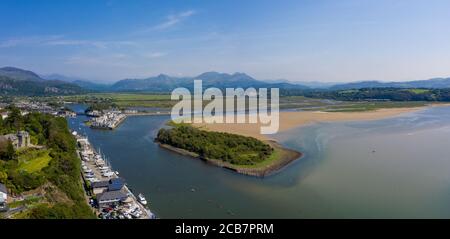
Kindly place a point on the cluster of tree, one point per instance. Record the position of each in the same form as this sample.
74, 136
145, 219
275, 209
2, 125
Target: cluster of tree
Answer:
7, 152
64, 168
235, 149
100, 106
393, 94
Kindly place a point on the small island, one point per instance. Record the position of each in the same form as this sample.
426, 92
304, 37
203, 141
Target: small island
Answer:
245, 155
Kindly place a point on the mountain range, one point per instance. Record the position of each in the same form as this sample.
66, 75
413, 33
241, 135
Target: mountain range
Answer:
435, 83
165, 83
15, 81
86, 84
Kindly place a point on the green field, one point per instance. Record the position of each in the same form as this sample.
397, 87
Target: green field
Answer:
276, 155
418, 91
32, 160
26, 202
125, 100
369, 106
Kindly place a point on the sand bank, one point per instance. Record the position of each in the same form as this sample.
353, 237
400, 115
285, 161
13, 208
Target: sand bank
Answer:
290, 120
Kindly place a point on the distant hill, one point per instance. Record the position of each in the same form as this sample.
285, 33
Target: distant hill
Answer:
436, 83
11, 83
19, 74
160, 83
91, 85
309, 84
61, 78
165, 83
19, 82
78, 81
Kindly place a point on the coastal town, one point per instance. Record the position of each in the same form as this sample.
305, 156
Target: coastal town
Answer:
106, 192
29, 106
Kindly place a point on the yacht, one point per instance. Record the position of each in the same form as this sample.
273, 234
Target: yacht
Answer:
142, 199
108, 174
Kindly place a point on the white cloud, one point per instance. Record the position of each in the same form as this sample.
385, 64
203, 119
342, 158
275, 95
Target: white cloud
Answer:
172, 20
59, 40
155, 54
28, 41
97, 44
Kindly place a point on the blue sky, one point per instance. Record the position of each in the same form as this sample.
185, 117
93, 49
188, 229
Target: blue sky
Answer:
345, 40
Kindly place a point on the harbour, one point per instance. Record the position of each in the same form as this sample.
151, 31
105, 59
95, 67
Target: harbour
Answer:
112, 119
107, 193
107, 120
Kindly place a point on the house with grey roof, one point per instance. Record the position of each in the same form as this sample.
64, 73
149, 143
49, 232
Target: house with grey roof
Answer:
111, 197
99, 187
114, 184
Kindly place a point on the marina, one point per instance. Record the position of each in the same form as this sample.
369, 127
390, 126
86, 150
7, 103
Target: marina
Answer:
112, 119
108, 193
108, 120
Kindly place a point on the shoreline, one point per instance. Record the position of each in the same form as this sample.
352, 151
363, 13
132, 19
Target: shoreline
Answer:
288, 120
286, 158
294, 119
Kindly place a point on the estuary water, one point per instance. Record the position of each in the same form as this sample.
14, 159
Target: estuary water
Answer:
392, 168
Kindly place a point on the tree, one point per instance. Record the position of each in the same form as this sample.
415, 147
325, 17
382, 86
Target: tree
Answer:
15, 118
3, 177
7, 151
231, 148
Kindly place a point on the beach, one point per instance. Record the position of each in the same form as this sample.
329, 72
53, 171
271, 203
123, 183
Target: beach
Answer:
291, 120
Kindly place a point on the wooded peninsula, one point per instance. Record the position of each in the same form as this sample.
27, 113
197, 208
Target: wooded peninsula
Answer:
242, 154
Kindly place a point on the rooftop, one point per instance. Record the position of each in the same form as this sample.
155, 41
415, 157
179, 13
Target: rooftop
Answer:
101, 184
112, 195
104, 184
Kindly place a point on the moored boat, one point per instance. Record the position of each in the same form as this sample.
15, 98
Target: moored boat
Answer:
142, 199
